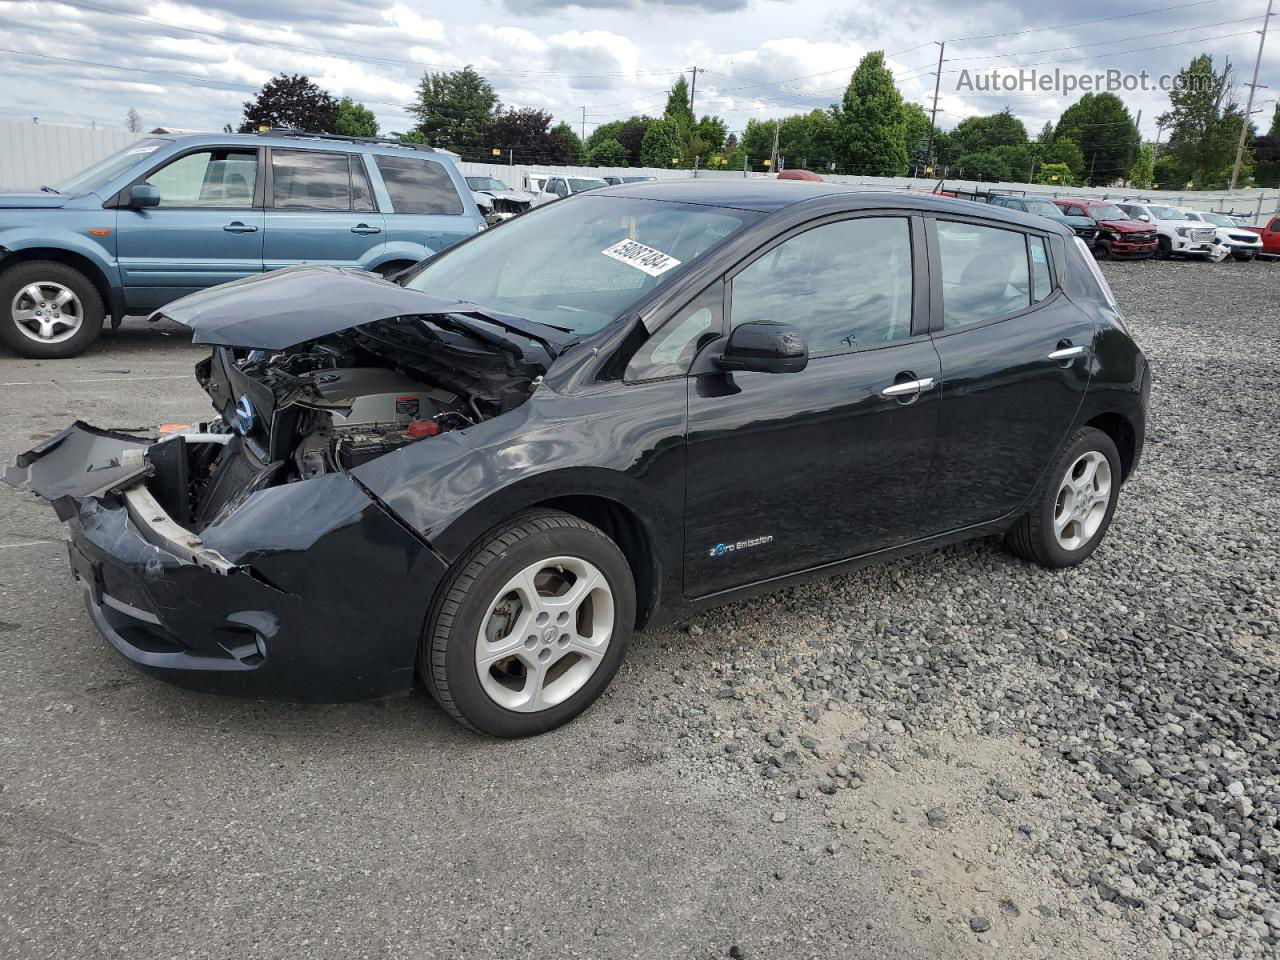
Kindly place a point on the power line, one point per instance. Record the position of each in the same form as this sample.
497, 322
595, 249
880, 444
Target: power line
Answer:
1098, 43
1081, 23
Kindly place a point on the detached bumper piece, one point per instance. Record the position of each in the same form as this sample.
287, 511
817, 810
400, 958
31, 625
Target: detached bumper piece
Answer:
306, 591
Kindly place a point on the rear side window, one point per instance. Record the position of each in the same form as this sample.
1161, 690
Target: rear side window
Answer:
1041, 279
984, 273
310, 180
361, 194
416, 185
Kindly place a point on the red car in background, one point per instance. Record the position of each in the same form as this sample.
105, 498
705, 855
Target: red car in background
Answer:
1270, 237
798, 175
1118, 236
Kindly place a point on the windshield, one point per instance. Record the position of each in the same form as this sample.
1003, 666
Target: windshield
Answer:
1166, 213
1107, 211
581, 263
485, 183
578, 186
1043, 208
104, 171
1219, 219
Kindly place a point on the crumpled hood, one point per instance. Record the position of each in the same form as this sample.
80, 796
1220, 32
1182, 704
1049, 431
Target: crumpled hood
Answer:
32, 200
297, 304
517, 196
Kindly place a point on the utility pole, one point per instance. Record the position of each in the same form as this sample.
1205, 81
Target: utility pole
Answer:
693, 88
1253, 88
1159, 134
1093, 160
584, 124
933, 115
773, 157
1137, 137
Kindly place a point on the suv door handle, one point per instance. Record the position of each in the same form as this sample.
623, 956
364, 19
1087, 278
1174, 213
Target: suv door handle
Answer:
364, 229
909, 388
235, 226
1068, 353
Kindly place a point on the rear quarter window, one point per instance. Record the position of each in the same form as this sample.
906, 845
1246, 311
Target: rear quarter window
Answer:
418, 185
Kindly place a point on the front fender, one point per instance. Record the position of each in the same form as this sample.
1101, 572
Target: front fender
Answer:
100, 251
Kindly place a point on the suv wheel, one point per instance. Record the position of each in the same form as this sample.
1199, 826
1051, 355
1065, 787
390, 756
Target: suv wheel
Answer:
531, 627
1164, 248
48, 310
1074, 505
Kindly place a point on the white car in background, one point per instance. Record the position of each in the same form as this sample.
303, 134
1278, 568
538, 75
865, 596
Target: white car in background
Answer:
496, 200
1174, 232
546, 187
1232, 240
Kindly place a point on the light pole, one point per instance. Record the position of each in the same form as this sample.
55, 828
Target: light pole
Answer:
1253, 88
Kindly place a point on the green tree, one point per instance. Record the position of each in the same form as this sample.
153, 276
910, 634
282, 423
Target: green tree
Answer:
290, 101
456, 110
916, 122
1066, 151
662, 144
1143, 173
873, 125
976, 134
985, 165
567, 144
711, 131
354, 119
677, 108
1204, 125
757, 139
607, 153
1101, 125
1055, 174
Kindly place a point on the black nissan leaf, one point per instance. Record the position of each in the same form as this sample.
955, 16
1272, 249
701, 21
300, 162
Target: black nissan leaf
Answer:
613, 411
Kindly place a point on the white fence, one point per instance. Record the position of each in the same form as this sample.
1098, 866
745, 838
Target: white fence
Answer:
34, 154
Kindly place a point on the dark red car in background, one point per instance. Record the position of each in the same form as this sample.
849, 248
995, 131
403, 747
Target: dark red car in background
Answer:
1270, 237
1118, 236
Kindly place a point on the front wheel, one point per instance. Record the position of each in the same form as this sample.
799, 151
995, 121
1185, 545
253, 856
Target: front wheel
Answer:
48, 310
531, 626
1074, 506
1164, 248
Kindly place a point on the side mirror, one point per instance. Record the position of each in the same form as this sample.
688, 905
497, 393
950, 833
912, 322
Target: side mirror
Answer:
142, 195
1144, 218
765, 348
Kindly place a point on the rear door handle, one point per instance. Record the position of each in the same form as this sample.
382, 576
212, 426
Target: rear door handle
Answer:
1068, 353
364, 229
909, 388
235, 226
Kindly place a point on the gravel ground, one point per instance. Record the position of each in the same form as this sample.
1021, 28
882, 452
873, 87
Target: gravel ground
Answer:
957, 755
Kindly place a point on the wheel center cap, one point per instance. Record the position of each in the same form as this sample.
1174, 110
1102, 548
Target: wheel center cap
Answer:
548, 634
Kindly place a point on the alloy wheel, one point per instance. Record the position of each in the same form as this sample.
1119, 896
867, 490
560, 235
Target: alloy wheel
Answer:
545, 634
1083, 498
47, 312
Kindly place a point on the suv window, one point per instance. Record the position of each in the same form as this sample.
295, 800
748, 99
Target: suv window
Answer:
1041, 279
417, 185
310, 180
845, 285
984, 273
208, 178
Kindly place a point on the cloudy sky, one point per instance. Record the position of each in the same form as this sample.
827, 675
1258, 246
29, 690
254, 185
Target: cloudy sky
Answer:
193, 65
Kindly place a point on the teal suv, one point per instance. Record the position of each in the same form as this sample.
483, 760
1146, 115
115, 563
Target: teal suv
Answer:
168, 216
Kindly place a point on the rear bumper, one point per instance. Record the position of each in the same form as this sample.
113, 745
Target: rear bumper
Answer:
309, 591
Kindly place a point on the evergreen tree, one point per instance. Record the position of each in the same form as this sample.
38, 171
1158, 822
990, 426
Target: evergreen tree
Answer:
1102, 127
456, 110
663, 145
872, 122
1144, 168
1204, 126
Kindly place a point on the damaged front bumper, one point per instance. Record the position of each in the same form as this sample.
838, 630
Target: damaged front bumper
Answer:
307, 591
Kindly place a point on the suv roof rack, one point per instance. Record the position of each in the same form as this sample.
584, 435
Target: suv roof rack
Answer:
375, 141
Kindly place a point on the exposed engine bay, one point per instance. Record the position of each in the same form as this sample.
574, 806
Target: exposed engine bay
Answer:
335, 403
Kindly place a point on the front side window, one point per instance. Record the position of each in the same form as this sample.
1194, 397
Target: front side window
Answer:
845, 285
418, 185
310, 180
984, 273
581, 264
208, 178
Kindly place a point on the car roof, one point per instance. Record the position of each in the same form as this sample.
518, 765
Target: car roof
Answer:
767, 195
309, 142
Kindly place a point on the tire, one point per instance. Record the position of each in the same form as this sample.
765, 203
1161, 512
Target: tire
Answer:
1243, 257
1164, 248
1035, 536
521, 634
389, 270
1102, 252
24, 315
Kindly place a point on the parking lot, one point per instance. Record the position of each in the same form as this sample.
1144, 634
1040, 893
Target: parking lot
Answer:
949, 756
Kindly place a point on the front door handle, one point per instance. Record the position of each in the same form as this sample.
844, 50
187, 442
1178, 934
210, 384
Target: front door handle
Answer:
364, 229
235, 226
1068, 353
909, 388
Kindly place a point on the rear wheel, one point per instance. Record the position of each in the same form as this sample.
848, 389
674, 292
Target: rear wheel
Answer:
531, 627
48, 310
1074, 506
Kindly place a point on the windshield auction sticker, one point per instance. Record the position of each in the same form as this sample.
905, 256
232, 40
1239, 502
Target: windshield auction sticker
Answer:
646, 259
